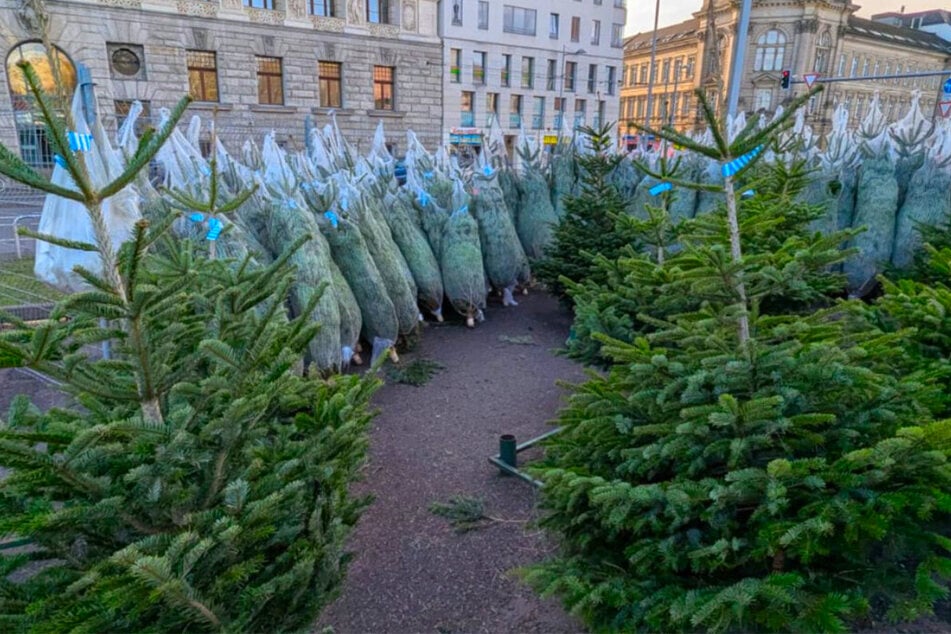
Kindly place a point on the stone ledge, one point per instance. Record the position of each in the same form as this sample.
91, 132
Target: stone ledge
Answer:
386, 114
211, 105
340, 112
266, 107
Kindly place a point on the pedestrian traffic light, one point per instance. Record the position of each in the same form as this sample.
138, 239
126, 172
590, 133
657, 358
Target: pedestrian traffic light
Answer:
785, 80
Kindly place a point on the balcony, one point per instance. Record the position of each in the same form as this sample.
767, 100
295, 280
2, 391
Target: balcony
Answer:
467, 120
538, 121
515, 121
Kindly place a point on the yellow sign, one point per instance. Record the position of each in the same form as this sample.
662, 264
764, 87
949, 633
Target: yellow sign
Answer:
550, 139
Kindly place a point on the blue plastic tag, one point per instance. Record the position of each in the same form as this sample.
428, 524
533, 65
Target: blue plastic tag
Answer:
79, 142
488, 171
59, 160
749, 193
660, 188
332, 217
733, 167
196, 217
423, 198
214, 229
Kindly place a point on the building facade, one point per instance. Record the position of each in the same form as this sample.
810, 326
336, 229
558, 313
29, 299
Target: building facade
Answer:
803, 36
528, 65
253, 65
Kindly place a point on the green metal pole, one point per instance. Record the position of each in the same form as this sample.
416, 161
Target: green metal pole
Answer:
507, 450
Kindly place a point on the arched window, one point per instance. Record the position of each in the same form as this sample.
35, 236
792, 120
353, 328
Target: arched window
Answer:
57, 76
770, 51
823, 52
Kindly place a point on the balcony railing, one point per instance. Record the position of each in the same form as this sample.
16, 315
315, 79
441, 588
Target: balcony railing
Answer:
468, 119
515, 121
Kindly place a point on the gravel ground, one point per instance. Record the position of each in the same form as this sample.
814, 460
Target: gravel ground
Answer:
412, 572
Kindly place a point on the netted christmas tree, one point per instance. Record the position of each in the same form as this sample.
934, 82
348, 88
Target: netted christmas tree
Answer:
737, 471
197, 481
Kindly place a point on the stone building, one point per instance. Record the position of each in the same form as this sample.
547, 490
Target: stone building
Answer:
803, 36
529, 64
255, 65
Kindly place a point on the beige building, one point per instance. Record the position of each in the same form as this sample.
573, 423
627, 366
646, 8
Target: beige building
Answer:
258, 65
804, 36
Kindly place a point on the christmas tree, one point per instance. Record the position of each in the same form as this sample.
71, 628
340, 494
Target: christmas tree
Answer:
741, 471
198, 481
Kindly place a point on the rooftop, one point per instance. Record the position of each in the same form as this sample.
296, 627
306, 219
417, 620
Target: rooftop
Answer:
898, 35
673, 33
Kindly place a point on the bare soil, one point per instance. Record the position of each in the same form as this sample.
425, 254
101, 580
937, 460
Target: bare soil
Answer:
412, 572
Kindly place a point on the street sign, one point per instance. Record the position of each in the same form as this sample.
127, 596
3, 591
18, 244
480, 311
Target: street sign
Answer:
810, 79
945, 108
947, 86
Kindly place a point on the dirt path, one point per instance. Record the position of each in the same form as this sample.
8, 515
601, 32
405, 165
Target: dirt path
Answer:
412, 572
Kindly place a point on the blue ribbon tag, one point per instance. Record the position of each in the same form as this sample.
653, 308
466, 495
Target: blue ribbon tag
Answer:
660, 188
423, 198
291, 203
214, 229
487, 170
749, 193
205, 169
196, 217
306, 187
464, 209
332, 217
428, 175
79, 142
733, 167
59, 160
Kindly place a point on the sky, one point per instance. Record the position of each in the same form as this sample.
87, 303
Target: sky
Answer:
640, 13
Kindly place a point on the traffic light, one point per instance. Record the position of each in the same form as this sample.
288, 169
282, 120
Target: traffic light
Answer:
785, 80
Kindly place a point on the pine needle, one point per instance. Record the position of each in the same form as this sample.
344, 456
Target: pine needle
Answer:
416, 373
464, 512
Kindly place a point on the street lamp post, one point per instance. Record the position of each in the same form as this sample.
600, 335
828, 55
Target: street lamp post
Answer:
561, 89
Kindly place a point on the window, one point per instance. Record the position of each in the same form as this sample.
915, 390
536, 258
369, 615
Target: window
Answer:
270, 81
124, 107
323, 8
455, 65
580, 106
691, 65
595, 32
491, 107
616, 39
331, 89
823, 51
528, 72
378, 11
841, 69
260, 4
126, 61
643, 74
506, 70
678, 70
202, 75
483, 15
553, 26
685, 105
35, 148
518, 20
599, 118
640, 107
538, 113
478, 67
592, 78
770, 51
612, 80
383, 87
762, 99
457, 12
665, 72
865, 67
576, 29
468, 109
552, 71
571, 69
559, 112
855, 65
515, 111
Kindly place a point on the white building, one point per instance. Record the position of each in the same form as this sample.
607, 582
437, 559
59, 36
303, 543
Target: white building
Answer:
526, 63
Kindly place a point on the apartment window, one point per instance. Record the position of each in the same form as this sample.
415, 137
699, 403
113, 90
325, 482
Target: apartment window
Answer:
457, 12
580, 106
571, 70
506, 70
855, 66
515, 111
528, 72
378, 11
592, 78
612, 80
770, 51
685, 105
550, 75
383, 87
329, 81
640, 107
518, 20
616, 35
643, 73
823, 52
678, 69
455, 65
491, 107
483, 15
270, 81
762, 99
202, 75
595, 32
538, 113
599, 121
468, 109
478, 67
124, 107
559, 112
841, 69
576, 29
665, 71
865, 65
260, 4
553, 26
323, 8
